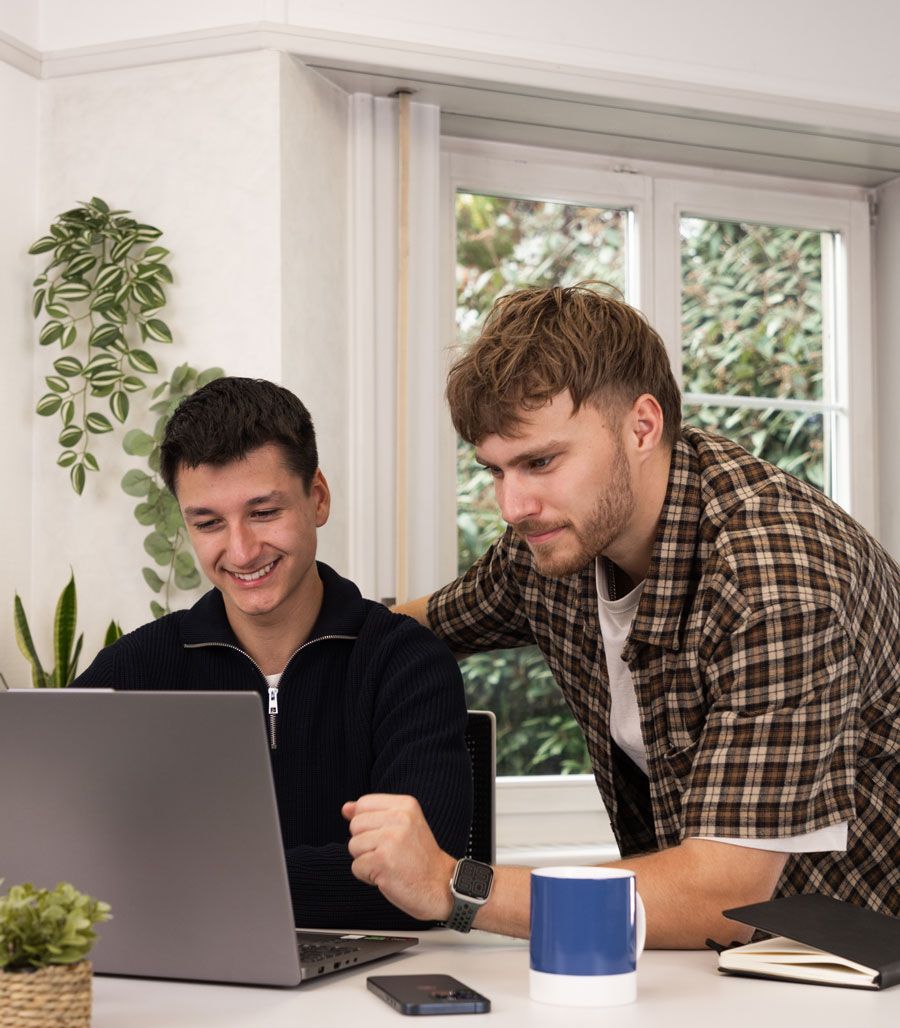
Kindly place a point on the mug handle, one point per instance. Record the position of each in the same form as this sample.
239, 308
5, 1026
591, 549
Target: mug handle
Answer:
640, 925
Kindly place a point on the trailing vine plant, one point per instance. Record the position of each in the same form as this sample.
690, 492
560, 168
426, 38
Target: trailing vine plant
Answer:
167, 540
102, 293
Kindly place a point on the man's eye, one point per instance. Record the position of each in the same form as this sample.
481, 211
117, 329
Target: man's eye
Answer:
203, 526
268, 513
539, 463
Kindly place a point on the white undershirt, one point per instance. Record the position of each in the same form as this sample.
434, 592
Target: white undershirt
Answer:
625, 721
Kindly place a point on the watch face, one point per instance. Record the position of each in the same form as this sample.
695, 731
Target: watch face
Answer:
474, 879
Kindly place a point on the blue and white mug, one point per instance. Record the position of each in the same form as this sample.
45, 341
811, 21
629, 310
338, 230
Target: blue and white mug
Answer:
587, 932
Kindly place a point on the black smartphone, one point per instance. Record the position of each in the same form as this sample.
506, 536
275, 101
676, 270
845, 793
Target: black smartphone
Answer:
427, 994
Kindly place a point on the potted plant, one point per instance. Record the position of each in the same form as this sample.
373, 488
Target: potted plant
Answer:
45, 935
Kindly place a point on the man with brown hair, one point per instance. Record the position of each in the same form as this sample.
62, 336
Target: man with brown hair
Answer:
727, 638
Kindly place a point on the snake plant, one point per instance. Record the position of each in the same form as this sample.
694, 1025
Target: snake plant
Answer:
66, 648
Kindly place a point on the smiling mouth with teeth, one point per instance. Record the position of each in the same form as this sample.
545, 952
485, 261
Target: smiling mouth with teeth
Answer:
255, 575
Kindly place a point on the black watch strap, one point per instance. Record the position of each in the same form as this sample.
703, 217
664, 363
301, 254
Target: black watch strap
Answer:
462, 915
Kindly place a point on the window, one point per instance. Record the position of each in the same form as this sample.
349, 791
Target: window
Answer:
748, 284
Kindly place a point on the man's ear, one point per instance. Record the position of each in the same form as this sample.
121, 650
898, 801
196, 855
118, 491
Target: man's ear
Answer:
319, 490
645, 424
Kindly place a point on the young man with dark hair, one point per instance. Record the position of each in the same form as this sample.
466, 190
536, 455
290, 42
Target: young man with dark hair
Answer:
727, 638
357, 699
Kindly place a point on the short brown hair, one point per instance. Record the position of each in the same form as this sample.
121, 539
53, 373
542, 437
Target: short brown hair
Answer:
537, 343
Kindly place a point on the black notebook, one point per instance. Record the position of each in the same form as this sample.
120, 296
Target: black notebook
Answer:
818, 940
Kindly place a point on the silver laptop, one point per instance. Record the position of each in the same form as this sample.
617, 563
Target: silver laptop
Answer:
161, 804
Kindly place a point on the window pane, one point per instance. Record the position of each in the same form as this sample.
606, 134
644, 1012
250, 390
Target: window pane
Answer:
505, 244
794, 440
751, 309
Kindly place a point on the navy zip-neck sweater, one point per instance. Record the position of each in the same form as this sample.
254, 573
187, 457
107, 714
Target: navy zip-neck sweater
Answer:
372, 702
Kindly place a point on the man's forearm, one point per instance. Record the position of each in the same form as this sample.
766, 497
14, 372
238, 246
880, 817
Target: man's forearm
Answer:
684, 890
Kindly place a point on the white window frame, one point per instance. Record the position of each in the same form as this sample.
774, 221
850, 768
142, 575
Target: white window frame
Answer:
558, 813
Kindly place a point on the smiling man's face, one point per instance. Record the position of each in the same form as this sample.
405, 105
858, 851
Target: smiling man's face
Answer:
253, 527
563, 483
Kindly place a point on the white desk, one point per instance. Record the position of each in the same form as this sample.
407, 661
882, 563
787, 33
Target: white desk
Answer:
676, 990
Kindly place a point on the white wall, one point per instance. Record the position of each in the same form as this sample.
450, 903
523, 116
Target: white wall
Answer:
314, 298
18, 174
819, 50
192, 148
887, 320
20, 19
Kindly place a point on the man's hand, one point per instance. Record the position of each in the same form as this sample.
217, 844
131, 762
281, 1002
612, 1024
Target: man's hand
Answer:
393, 848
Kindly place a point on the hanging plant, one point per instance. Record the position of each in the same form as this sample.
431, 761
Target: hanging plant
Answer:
167, 541
101, 295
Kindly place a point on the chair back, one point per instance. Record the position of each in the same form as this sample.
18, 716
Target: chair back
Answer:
481, 740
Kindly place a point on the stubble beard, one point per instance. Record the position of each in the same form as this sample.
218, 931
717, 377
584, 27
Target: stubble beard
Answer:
605, 523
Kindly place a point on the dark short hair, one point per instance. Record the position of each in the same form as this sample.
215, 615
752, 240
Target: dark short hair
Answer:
539, 342
230, 417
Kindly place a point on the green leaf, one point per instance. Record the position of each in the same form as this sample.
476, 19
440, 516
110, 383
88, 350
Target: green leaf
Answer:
104, 334
152, 579
36, 301
67, 458
68, 366
123, 246
113, 632
159, 548
67, 412
69, 336
155, 253
159, 331
43, 244
98, 423
103, 301
210, 375
70, 436
108, 277
157, 609
57, 384
58, 310
140, 360
118, 404
103, 379
99, 205
26, 644
147, 233
90, 461
145, 513
132, 383
77, 476
184, 563
72, 291
79, 265
48, 404
50, 333
64, 630
138, 443
191, 581
136, 483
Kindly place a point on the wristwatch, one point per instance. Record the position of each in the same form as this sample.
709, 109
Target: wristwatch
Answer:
471, 886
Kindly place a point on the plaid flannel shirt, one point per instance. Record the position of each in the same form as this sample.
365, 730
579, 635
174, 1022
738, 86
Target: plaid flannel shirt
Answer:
765, 655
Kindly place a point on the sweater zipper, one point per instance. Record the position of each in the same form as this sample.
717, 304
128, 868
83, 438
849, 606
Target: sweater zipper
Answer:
272, 689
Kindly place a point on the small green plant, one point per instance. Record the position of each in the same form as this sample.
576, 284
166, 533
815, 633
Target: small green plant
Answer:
102, 293
167, 541
47, 926
66, 648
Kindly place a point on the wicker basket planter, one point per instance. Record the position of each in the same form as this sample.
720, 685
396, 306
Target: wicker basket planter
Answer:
57, 996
